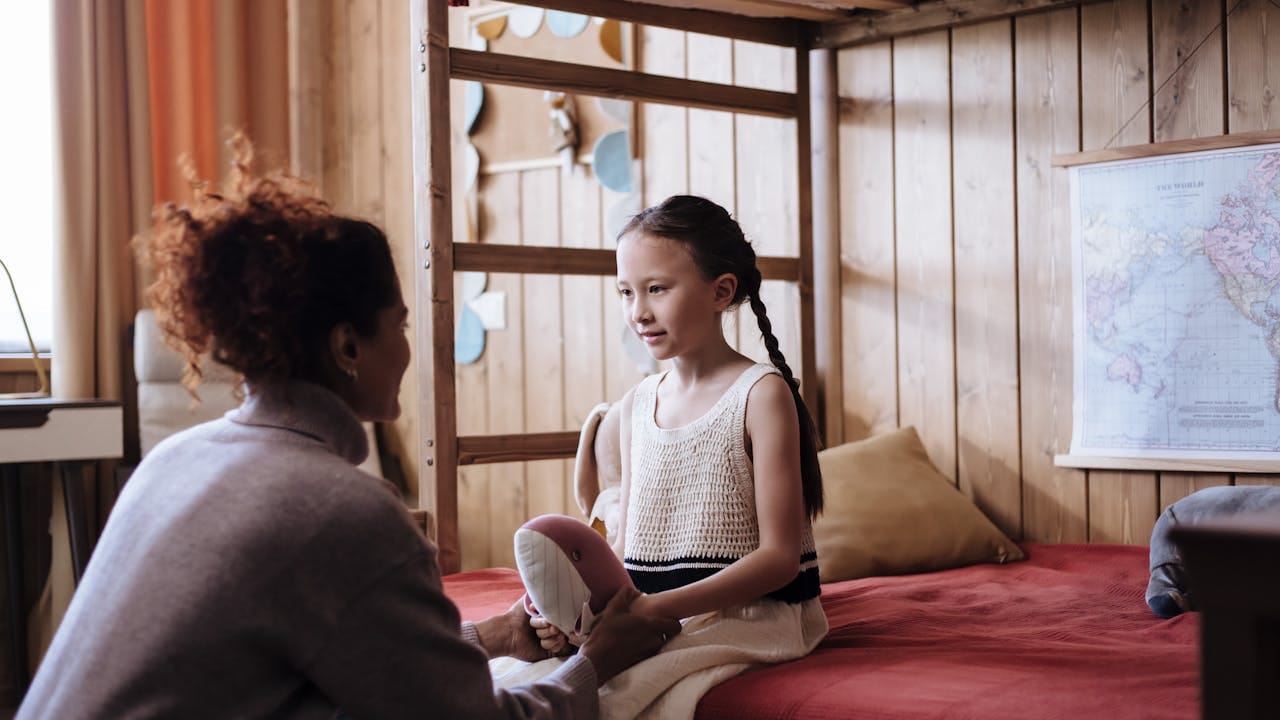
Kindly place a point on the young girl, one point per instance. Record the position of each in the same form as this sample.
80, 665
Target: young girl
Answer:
720, 474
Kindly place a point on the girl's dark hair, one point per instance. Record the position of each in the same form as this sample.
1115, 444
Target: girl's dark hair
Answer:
716, 243
259, 274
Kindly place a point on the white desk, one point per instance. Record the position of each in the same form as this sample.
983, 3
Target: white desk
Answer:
65, 432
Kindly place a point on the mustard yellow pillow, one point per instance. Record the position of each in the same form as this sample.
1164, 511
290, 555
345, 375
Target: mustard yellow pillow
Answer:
888, 511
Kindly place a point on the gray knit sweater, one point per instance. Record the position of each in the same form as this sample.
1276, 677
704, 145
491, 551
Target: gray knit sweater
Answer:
249, 569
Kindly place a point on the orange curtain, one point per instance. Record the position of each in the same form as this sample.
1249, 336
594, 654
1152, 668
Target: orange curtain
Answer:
217, 66
139, 84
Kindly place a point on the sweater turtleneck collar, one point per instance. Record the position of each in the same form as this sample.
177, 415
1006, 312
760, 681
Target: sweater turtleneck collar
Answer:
309, 409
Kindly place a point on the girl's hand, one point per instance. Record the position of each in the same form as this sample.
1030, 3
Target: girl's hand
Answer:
549, 636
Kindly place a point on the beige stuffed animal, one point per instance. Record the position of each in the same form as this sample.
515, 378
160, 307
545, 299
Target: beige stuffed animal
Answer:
597, 470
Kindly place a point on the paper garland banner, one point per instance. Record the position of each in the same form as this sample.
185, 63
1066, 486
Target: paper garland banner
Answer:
611, 39
468, 344
611, 160
566, 24
525, 21
492, 28
471, 164
474, 103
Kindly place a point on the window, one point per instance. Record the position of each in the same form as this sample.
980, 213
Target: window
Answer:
26, 181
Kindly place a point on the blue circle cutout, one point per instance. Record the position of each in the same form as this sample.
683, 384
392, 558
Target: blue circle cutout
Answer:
468, 339
611, 161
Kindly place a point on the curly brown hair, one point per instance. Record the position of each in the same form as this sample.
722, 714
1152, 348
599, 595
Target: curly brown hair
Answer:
257, 275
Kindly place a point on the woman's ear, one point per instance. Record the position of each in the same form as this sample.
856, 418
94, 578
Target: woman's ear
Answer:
343, 348
724, 288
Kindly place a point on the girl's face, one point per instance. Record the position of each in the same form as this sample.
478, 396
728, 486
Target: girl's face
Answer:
665, 299
382, 360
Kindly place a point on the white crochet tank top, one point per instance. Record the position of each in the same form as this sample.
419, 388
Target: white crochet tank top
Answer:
691, 510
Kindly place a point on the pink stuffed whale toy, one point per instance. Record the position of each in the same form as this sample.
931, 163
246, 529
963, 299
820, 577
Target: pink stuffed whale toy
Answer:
569, 571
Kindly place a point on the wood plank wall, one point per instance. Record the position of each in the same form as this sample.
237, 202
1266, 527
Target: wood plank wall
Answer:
955, 238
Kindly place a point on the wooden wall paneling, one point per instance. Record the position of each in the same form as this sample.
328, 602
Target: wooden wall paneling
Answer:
1114, 89
473, 480
583, 310
309, 64
868, 302
334, 177
712, 159
364, 124
1253, 66
397, 52
986, 271
663, 128
767, 202
621, 372
1187, 52
1123, 507
541, 361
504, 359
922, 151
1046, 120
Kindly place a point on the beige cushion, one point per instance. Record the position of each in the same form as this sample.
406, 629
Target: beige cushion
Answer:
888, 511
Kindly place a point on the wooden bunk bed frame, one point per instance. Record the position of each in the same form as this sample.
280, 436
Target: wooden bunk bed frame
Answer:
815, 270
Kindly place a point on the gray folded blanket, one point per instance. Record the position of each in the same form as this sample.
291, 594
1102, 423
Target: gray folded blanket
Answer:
1168, 593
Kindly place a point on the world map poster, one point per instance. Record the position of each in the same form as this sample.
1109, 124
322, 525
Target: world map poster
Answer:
1176, 289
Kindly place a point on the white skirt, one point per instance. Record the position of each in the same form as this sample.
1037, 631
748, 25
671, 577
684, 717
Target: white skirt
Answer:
711, 648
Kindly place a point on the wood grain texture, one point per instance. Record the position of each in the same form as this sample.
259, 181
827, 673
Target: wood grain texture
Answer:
1187, 65
712, 151
663, 131
868, 282
986, 296
1176, 485
583, 320
767, 199
829, 414
434, 301
542, 360
507, 493
1047, 97
1123, 507
926, 290
927, 17
1253, 67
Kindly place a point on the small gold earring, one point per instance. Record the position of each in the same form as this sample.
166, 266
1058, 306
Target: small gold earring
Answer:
351, 373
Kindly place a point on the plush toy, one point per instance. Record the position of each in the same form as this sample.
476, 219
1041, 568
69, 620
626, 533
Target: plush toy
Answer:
569, 571
597, 472
1169, 591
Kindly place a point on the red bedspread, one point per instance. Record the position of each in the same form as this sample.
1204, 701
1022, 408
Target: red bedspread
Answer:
1064, 634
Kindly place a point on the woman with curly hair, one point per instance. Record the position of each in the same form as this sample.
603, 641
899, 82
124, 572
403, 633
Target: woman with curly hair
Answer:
250, 569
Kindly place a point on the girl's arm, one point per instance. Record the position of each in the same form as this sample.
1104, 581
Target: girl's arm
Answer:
624, 490
773, 437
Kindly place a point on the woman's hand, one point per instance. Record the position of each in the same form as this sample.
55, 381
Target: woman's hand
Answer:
512, 633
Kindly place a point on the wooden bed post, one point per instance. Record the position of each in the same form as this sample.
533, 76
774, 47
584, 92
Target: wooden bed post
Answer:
824, 101
810, 389
432, 310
